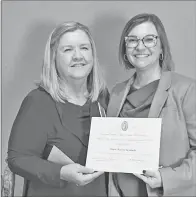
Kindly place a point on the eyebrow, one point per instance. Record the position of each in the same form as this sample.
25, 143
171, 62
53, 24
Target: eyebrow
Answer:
85, 44
143, 36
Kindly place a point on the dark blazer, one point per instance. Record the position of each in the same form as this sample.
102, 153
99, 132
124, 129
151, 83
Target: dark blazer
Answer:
40, 121
175, 103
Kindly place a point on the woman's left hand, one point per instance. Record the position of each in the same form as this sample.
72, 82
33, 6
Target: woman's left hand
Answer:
152, 178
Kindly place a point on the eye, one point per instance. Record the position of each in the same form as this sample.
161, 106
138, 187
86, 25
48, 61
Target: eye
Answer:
67, 50
133, 40
85, 48
149, 39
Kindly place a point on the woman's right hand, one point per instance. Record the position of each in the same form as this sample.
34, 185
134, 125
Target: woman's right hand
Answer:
78, 174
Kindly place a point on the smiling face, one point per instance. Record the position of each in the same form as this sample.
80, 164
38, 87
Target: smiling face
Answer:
74, 57
141, 57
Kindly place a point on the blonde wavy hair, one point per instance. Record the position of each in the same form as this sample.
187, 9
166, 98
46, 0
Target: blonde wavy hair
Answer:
50, 80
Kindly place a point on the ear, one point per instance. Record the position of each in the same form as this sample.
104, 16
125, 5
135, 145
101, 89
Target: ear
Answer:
161, 52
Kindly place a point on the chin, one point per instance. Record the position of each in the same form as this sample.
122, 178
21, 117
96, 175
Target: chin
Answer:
140, 66
143, 64
80, 75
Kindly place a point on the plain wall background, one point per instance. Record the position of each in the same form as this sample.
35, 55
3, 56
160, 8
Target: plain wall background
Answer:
27, 25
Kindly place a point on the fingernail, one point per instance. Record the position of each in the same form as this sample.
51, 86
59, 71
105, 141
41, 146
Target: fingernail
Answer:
144, 171
160, 167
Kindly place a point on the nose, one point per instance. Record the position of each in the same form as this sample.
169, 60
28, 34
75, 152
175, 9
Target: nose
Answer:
140, 45
77, 54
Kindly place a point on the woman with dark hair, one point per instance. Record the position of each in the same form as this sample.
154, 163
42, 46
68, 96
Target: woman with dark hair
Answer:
153, 91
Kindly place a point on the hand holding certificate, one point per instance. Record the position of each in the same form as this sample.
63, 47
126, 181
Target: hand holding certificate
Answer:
70, 171
127, 145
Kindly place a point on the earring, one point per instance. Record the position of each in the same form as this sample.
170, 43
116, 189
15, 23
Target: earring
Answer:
161, 57
125, 57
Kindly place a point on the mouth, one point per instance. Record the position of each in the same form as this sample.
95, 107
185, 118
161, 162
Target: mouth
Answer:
78, 65
141, 55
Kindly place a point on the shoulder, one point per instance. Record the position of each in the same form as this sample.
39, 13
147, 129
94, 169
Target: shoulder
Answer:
38, 99
178, 79
119, 86
181, 86
181, 83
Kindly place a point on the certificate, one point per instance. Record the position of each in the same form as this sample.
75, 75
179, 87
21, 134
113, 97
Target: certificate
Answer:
127, 145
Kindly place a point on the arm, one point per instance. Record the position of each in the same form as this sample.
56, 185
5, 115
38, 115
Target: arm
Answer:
27, 141
184, 176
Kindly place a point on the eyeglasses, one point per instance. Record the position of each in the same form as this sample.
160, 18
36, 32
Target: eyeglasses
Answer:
149, 41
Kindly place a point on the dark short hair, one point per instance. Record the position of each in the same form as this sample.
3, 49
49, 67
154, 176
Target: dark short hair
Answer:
166, 63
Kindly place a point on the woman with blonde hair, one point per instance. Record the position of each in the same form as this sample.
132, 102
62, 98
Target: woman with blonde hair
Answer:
58, 114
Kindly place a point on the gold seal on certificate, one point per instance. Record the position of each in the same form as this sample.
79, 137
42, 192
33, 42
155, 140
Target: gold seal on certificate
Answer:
127, 145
